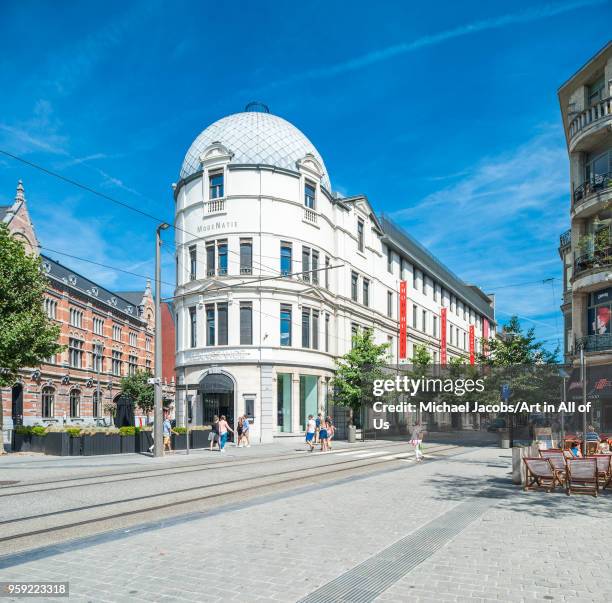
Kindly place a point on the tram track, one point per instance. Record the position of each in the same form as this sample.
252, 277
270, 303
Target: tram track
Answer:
270, 482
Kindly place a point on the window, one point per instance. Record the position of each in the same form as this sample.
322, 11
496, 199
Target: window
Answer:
95, 404
424, 284
47, 402
222, 257
97, 358
98, 326
315, 329
283, 401
75, 353
354, 333
132, 365
389, 260
133, 339
222, 326
50, 308
285, 325
389, 304
76, 318
595, 91
435, 292
309, 195
596, 168
326, 332
148, 366
354, 282
193, 327
306, 264
286, 259
148, 344
116, 363
464, 341
246, 323
210, 324
306, 327
414, 316
210, 259
215, 184
246, 256
424, 321
435, 326
327, 264
360, 231
116, 332
599, 313
415, 276
193, 263
365, 292
315, 267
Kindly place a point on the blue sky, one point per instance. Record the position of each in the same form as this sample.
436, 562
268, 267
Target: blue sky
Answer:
445, 114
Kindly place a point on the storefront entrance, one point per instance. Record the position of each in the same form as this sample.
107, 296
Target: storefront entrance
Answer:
216, 391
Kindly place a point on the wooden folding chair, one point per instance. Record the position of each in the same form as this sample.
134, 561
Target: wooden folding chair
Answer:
541, 473
604, 469
557, 459
582, 476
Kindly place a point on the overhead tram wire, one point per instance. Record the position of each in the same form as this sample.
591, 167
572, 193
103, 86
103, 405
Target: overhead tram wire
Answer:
123, 204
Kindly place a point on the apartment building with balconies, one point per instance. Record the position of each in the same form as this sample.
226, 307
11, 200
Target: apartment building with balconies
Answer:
586, 248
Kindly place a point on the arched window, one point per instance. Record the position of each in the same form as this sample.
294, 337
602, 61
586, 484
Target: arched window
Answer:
75, 403
95, 404
48, 401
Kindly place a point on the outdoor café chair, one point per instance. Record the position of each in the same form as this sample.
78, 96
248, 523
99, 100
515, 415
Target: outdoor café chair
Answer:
541, 473
604, 469
582, 476
592, 448
557, 459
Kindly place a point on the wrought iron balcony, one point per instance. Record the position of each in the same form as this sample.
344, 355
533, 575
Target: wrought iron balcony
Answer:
598, 112
600, 256
565, 239
595, 343
593, 186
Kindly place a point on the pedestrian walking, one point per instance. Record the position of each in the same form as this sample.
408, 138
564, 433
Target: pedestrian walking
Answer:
318, 422
323, 435
213, 436
331, 431
239, 432
224, 429
416, 440
246, 431
310, 432
167, 430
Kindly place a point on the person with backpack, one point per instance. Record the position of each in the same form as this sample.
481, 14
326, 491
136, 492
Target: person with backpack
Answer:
224, 430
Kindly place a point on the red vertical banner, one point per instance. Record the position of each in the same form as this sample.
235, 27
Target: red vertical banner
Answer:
485, 336
472, 352
443, 336
402, 320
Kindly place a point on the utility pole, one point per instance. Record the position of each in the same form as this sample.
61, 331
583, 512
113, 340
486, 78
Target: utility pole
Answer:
98, 363
158, 441
583, 372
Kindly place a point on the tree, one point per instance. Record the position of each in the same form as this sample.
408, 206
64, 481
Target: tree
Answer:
356, 371
27, 334
139, 390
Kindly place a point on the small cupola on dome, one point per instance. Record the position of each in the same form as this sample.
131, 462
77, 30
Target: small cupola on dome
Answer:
254, 137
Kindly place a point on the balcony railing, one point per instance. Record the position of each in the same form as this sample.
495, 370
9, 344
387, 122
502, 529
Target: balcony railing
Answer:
310, 215
595, 343
565, 239
599, 257
596, 184
215, 206
599, 110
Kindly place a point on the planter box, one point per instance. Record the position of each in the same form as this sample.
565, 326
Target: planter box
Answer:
76, 446
37, 443
199, 438
101, 443
144, 441
21, 442
112, 445
178, 441
128, 443
57, 443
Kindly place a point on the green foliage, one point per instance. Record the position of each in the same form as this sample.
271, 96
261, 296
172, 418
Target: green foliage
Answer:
110, 408
127, 431
180, 430
23, 430
137, 388
515, 347
73, 432
27, 335
357, 369
38, 430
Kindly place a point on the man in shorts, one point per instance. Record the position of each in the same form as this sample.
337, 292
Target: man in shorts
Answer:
167, 432
310, 432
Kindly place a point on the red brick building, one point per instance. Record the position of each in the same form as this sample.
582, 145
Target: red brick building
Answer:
107, 335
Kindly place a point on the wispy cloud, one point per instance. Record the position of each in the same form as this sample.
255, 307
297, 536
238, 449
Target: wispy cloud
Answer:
390, 52
499, 225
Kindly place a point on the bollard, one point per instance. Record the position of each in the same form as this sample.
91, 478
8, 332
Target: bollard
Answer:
504, 438
518, 467
352, 434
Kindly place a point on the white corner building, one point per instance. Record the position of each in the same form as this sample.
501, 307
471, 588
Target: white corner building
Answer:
275, 273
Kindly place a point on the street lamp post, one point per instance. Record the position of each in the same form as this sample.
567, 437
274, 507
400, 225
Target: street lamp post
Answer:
583, 374
158, 442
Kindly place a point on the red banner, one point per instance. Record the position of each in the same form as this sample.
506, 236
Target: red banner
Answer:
472, 352
402, 320
485, 336
443, 336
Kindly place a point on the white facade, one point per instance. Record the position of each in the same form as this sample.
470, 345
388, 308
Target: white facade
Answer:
261, 183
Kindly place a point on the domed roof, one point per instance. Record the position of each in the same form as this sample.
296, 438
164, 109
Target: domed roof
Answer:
254, 137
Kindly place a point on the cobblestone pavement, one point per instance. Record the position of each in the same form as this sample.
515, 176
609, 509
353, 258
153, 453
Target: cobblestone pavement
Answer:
474, 537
